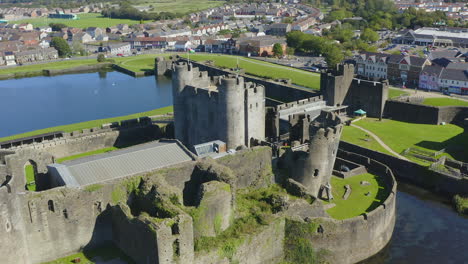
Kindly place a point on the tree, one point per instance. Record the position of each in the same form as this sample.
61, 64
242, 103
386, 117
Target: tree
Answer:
278, 50
61, 46
101, 58
57, 26
333, 55
294, 39
369, 35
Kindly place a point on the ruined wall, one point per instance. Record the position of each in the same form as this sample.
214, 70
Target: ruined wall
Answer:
414, 173
335, 83
358, 238
255, 112
425, 114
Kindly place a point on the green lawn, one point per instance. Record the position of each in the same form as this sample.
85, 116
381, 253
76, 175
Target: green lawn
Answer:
90, 124
263, 69
358, 137
58, 65
30, 179
86, 154
444, 101
86, 20
393, 93
99, 255
177, 6
139, 63
357, 203
400, 136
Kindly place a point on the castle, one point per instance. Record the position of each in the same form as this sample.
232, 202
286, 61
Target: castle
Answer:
163, 210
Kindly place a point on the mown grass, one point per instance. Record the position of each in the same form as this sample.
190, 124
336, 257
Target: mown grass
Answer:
401, 135
262, 69
139, 63
95, 256
357, 203
84, 21
177, 6
30, 178
443, 101
86, 154
57, 65
394, 93
90, 124
358, 137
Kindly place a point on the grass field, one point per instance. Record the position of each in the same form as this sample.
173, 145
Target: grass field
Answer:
58, 65
90, 124
86, 20
139, 63
393, 93
400, 136
29, 172
177, 6
100, 255
358, 137
263, 69
357, 203
444, 101
86, 154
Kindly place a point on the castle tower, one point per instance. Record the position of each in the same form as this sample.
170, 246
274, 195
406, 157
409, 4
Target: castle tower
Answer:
335, 84
254, 112
324, 133
181, 76
231, 115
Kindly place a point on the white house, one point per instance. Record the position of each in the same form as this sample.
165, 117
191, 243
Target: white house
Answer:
182, 45
372, 65
454, 81
119, 48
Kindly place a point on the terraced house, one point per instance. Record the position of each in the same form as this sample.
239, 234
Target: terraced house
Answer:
372, 65
405, 70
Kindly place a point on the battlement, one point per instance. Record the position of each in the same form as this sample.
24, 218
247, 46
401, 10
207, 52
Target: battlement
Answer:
299, 103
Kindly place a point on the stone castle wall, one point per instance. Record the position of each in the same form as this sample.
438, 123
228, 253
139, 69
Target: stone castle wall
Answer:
425, 114
355, 239
414, 173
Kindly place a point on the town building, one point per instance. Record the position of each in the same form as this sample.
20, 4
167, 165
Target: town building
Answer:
372, 65
405, 69
454, 81
456, 37
429, 78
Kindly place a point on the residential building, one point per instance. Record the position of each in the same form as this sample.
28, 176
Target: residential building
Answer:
119, 48
33, 55
372, 65
260, 46
279, 29
405, 69
182, 45
429, 78
454, 81
83, 37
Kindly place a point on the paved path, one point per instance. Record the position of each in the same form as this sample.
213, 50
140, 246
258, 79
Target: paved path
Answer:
381, 142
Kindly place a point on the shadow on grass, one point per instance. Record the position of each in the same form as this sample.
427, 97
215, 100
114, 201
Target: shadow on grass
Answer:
382, 194
456, 146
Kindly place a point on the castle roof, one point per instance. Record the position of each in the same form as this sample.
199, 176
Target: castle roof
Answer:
121, 163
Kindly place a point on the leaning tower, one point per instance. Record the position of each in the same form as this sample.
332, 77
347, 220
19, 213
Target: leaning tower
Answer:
325, 133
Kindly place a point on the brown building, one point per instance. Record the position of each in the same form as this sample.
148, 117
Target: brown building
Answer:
260, 46
405, 69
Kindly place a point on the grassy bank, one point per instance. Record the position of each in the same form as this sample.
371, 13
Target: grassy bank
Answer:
394, 93
358, 137
263, 69
90, 124
358, 202
100, 255
86, 154
84, 21
444, 101
57, 65
401, 135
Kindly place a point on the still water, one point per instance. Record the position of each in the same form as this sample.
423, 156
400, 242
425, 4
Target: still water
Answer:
427, 228
427, 231
40, 102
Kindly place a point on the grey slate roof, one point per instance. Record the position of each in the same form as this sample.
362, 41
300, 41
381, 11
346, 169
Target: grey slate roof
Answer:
122, 163
454, 74
432, 70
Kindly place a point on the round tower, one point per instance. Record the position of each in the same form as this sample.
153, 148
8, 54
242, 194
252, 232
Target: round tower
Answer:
231, 112
181, 76
324, 133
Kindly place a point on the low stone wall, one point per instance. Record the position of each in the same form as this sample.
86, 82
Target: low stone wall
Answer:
414, 173
424, 114
358, 238
130, 72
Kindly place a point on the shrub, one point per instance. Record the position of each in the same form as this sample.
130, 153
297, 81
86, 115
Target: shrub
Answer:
101, 58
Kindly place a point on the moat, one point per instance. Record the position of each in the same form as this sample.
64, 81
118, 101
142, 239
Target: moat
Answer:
427, 229
34, 103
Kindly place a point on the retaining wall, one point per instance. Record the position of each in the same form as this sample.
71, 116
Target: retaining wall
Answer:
53, 72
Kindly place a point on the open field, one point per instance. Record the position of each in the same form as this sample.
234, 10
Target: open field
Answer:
443, 101
86, 154
263, 69
86, 20
90, 124
139, 63
176, 6
57, 65
393, 93
100, 255
358, 137
357, 203
29, 172
400, 136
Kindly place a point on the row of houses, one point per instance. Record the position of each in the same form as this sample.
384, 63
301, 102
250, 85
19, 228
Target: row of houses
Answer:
9, 58
441, 71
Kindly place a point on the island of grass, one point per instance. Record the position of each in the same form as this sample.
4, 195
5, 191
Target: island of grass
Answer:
363, 198
106, 254
444, 101
262, 69
30, 178
400, 136
90, 124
